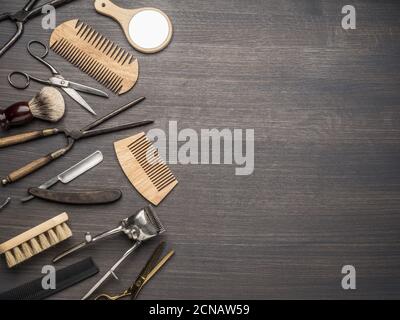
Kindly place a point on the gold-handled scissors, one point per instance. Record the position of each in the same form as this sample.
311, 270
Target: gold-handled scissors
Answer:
151, 268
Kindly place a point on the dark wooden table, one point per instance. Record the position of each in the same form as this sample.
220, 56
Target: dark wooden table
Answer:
325, 106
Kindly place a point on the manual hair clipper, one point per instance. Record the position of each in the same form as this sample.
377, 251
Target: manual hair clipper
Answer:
139, 227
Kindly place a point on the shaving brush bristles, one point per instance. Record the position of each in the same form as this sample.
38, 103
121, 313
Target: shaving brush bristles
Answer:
48, 105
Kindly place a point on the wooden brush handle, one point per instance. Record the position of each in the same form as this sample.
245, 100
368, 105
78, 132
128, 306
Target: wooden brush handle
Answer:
34, 232
27, 136
17, 114
32, 167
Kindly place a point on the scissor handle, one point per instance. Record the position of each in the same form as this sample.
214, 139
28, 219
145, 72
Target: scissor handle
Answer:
105, 296
4, 16
28, 79
42, 56
30, 5
14, 38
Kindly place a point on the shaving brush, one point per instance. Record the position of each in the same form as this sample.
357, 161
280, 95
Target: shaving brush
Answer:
47, 105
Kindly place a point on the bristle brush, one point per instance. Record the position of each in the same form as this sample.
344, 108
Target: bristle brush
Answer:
47, 105
36, 240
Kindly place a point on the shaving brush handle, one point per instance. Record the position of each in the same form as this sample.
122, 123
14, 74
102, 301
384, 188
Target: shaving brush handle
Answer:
17, 114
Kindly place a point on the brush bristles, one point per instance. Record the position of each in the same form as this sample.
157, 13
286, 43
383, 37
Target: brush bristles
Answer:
67, 231
37, 244
52, 237
44, 242
48, 105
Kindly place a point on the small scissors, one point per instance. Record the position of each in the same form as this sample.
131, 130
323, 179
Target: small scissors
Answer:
148, 272
23, 15
57, 80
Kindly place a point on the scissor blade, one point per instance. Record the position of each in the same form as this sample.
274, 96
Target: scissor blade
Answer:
152, 262
77, 97
159, 266
150, 265
143, 279
86, 89
112, 114
92, 133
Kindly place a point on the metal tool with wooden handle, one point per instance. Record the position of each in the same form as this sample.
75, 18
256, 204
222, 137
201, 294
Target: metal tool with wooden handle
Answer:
71, 173
25, 137
72, 136
35, 165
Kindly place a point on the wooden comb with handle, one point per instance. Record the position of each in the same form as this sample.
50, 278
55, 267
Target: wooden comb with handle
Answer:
144, 168
95, 55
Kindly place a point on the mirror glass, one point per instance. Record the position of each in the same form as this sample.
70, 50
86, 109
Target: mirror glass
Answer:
149, 29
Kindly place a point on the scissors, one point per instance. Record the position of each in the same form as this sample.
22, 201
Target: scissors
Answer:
57, 80
5, 203
151, 268
71, 135
22, 16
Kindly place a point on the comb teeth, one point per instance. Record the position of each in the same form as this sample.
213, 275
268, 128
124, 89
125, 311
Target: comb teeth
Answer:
152, 164
144, 168
154, 219
22, 247
95, 55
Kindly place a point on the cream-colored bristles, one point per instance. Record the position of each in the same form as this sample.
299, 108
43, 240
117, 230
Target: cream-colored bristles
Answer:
18, 255
26, 250
48, 105
52, 237
36, 240
67, 231
44, 242
10, 259
35, 246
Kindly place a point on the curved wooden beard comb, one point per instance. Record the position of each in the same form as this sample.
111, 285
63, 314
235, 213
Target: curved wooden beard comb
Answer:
144, 168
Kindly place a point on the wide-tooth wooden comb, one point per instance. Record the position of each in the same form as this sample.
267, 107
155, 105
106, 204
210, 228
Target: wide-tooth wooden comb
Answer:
36, 240
144, 168
95, 55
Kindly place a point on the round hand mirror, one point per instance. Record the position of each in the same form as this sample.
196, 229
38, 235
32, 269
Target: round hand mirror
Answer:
148, 30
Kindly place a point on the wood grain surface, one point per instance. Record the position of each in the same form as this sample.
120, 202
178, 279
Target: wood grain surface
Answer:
325, 106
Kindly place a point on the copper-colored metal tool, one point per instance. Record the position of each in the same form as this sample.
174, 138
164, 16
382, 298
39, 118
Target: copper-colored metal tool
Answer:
153, 265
